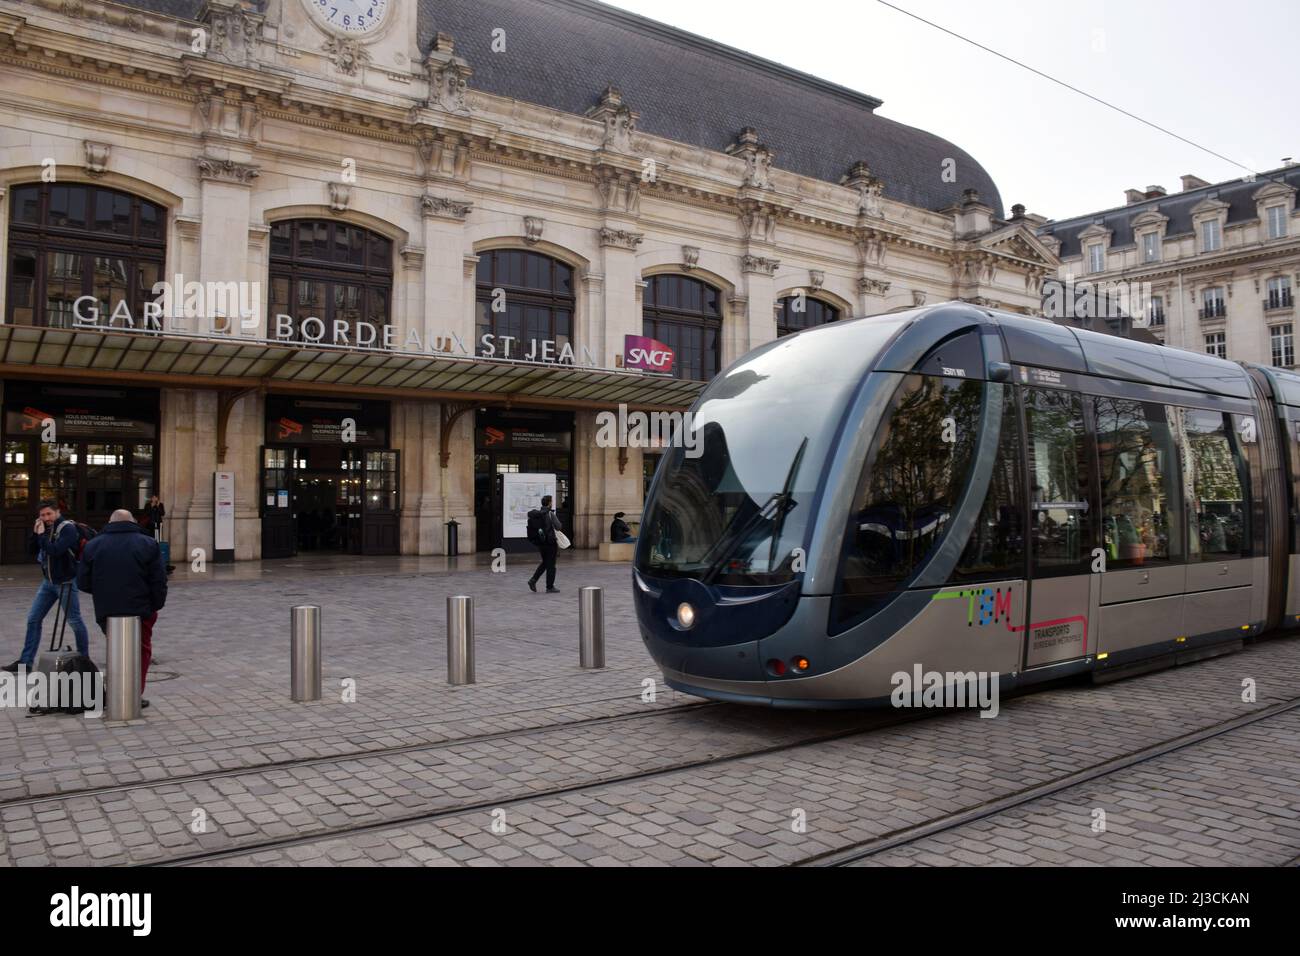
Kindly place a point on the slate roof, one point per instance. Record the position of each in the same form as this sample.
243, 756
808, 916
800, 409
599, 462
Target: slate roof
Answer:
563, 53
1238, 194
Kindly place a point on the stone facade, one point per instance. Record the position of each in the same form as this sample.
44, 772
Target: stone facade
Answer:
257, 113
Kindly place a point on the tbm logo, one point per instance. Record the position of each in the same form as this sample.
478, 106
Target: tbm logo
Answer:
994, 604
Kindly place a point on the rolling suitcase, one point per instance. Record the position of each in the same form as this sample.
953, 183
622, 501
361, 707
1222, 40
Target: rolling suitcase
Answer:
165, 548
64, 660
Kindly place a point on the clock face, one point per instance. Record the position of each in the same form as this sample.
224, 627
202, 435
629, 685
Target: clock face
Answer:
352, 17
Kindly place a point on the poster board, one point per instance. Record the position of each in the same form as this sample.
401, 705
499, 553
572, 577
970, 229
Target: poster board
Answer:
520, 494
223, 515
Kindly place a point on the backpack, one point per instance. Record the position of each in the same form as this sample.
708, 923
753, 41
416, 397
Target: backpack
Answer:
84, 533
537, 527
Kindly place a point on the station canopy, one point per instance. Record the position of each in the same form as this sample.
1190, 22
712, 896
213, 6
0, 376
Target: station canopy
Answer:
179, 360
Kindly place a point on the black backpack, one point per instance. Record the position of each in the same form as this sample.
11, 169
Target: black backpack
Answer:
84, 533
537, 527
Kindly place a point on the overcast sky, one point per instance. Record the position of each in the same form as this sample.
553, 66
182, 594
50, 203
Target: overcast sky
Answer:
1222, 74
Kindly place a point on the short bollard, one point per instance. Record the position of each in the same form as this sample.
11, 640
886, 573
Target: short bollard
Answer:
304, 653
122, 682
460, 640
591, 627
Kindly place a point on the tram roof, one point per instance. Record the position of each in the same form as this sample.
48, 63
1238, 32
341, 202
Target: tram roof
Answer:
1041, 343
226, 362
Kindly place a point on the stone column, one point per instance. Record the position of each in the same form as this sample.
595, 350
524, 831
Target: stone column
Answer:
445, 309
225, 208
622, 312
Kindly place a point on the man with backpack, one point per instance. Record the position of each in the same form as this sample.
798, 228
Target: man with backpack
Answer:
123, 569
57, 543
542, 525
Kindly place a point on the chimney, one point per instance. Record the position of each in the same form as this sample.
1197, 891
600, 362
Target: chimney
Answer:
1017, 212
1133, 195
1155, 192
1193, 182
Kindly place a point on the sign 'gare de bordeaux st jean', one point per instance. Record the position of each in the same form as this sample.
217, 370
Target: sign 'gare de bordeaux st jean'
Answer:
639, 352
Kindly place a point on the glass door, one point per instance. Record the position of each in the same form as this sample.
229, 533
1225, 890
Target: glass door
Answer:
278, 532
379, 524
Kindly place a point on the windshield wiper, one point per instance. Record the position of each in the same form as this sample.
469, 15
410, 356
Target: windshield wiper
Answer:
775, 507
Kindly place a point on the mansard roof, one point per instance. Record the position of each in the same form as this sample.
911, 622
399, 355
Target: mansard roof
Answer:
563, 53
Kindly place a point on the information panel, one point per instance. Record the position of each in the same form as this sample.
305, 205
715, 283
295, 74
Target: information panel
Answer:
520, 494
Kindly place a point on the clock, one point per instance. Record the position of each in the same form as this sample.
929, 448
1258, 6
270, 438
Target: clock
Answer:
358, 18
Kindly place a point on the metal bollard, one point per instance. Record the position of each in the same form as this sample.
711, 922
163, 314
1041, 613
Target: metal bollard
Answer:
591, 627
122, 682
304, 652
460, 640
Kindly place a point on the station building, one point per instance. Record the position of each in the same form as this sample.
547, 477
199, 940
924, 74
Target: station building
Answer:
362, 262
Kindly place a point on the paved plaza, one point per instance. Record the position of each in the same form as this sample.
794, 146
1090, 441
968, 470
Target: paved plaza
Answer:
542, 763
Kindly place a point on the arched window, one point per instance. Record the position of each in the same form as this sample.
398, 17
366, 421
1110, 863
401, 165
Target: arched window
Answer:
336, 272
522, 297
795, 316
75, 240
686, 315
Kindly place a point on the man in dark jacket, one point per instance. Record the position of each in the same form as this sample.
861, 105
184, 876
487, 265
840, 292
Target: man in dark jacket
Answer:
542, 525
54, 542
122, 567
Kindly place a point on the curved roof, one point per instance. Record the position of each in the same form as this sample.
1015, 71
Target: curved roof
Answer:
562, 54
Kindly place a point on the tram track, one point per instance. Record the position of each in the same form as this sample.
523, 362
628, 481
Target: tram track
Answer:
861, 850
397, 750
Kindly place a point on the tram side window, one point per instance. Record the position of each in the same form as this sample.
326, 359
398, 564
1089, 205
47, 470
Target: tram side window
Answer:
914, 475
996, 546
1219, 516
1139, 489
1058, 482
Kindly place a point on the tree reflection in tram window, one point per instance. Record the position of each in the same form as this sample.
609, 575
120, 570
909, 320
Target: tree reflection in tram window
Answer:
1138, 483
1058, 482
1219, 523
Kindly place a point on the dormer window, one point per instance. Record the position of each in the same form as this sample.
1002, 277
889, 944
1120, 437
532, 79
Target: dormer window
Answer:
1211, 236
1151, 247
1276, 216
1096, 258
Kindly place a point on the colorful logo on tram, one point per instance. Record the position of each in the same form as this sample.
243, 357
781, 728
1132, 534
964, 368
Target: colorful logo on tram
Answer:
993, 604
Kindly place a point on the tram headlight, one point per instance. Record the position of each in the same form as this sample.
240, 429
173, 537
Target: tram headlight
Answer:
685, 616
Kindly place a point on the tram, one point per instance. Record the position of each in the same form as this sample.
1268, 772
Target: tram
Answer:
967, 490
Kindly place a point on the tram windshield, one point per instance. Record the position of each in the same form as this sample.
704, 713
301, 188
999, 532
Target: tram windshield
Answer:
735, 497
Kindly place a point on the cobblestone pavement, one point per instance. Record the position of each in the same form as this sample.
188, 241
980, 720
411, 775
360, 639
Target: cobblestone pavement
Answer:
541, 762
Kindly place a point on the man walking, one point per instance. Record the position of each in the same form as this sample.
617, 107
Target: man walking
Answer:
542, 525
55, 541
122, 568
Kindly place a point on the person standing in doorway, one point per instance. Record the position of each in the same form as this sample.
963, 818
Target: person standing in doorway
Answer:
55, 542
122, 569
542, 525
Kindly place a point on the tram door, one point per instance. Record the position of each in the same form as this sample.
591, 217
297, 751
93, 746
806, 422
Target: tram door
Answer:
1062, 527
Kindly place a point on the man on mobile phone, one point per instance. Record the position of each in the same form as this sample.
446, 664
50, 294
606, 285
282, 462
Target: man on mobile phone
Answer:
56, 542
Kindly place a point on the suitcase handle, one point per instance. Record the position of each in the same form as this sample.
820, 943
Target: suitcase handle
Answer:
60, 633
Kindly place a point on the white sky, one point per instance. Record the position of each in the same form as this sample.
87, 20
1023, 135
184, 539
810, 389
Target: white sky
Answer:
1221, 74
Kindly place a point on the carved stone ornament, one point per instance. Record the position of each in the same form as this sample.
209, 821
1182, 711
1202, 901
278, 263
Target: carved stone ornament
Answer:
233, 30
448, 76
869, 189
918, 298
340, 196
618, 119
690, 257
440, 207
872, 286
447, 156
619, 191
758, 159
816, 279
227, 171
757, 222
620, 238
96, 158
347, 55
759, 265
533, 226
871, 252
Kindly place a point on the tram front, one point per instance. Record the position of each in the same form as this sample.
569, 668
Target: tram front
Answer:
785, 531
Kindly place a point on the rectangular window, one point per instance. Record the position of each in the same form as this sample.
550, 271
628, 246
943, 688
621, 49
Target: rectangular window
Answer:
1157, 310
1283, 343
1059, 523
1096, 258
1151, 247
1279, 293
1139, 489
1219, 520
1211, 238
1212, 304
1216, 344
1276, 221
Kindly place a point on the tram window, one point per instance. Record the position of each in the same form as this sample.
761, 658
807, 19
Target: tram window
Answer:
1058, 482
1139, 486
996, 547
1218, 516
913, 479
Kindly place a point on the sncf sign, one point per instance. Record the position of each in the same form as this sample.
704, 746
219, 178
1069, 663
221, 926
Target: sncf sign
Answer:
645, 353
